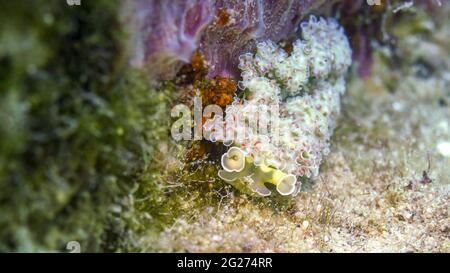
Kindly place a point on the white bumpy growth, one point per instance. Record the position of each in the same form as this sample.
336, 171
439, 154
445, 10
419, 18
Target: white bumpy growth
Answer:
306, 86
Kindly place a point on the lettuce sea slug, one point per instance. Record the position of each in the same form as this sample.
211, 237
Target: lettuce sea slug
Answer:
301, 90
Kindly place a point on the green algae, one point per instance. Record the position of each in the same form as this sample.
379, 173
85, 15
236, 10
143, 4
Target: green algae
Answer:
77, 127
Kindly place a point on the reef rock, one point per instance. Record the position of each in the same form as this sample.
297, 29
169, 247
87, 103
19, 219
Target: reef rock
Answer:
165, 34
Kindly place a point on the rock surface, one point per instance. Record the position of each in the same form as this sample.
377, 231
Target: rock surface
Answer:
167, 33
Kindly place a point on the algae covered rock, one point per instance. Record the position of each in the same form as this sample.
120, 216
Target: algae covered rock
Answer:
73, 133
